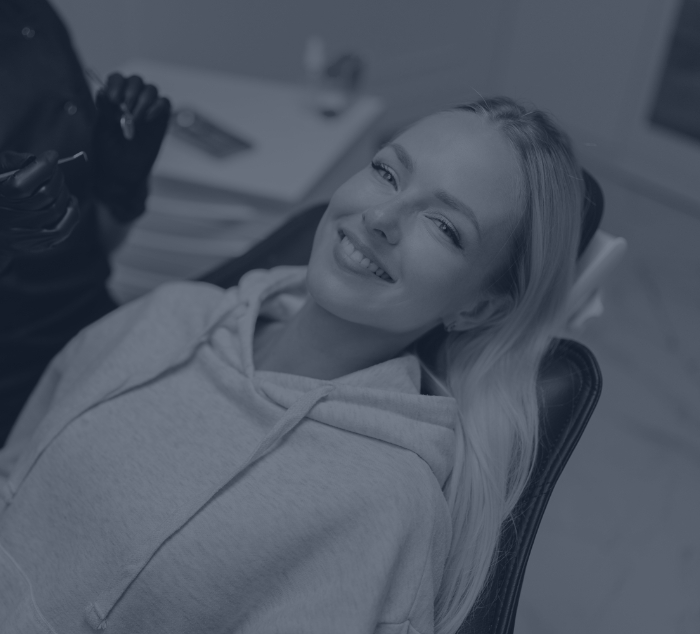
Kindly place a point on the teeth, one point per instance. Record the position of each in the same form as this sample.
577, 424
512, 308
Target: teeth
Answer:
356, 256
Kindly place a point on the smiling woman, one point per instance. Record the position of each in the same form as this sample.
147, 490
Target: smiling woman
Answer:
407, 213
323, 448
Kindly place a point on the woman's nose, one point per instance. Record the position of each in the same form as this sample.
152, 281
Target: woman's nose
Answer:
382, 222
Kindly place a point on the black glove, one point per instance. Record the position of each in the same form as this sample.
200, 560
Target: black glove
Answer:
122, 166
36, 210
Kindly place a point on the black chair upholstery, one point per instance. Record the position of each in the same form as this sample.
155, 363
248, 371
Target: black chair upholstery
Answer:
569, 386
290, 245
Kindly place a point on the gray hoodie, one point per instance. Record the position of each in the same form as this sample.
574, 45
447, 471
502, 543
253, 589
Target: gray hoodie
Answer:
156, 482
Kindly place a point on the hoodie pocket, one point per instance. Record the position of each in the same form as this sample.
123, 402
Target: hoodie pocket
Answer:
18, 611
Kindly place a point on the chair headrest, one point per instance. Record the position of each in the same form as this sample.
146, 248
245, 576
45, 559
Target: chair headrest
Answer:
592, 211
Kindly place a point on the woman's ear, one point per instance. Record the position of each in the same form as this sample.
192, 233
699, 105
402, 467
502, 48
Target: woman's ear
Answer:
485, 311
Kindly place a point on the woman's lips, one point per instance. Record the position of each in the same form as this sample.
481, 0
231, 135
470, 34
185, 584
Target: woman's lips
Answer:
361, 259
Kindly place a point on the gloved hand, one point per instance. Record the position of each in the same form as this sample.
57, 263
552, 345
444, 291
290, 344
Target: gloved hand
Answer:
122, 166
36, 210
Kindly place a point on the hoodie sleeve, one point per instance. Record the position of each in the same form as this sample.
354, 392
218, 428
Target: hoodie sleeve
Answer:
89, 343
33, 411
85, 351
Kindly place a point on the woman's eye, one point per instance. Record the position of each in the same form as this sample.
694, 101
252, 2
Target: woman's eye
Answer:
448, 230
384, 172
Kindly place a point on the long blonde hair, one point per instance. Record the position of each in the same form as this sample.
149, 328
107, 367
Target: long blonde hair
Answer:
492, 370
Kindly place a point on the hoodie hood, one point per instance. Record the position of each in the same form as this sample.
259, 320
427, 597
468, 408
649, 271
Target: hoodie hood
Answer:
382, 401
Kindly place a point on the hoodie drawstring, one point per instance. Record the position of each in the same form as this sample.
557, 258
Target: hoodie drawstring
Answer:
96, 613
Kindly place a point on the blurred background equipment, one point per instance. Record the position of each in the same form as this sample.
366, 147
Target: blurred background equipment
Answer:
677, 102
333, 85
194, 128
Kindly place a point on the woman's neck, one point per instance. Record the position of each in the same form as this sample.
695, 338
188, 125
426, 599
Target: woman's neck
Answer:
317, 344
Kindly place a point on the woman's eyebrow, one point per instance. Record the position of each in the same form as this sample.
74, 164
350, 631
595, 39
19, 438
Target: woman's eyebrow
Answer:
458, 205
403, 156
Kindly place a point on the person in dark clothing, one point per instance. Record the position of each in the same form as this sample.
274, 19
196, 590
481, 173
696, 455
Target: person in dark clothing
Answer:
58, 223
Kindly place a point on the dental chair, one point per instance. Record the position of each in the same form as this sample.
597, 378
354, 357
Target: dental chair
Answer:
570, 384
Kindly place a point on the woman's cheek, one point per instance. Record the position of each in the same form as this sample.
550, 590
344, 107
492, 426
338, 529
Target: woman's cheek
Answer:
436, 276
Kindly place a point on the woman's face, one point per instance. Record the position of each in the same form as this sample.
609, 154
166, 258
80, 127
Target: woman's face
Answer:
406, 243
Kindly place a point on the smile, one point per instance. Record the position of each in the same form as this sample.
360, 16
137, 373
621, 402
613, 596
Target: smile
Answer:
361, 260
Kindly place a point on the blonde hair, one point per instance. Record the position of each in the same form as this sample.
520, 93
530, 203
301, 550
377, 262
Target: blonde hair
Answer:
492, 370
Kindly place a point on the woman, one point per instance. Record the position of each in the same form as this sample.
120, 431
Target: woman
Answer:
263, 459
